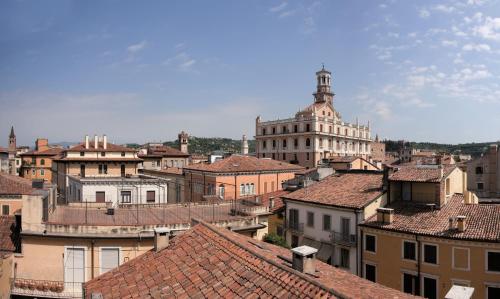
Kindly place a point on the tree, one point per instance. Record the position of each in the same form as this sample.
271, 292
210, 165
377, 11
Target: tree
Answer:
276, 240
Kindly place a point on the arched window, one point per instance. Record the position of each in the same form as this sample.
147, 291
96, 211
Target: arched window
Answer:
346, 132
284, 143
42, 162
222, 191
252, 188
308, 142
242, 189
321, 126
321, 142
247, 189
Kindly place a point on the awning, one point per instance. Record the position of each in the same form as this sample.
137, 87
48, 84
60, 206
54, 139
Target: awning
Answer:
325, 252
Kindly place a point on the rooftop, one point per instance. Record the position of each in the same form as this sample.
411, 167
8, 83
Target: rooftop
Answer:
110, 147
424, 174
240, 163
206, 262
348, 190
163, 151
482, 220
15, 185
9, 236
48, 152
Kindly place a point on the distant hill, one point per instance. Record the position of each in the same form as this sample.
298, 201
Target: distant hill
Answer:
473, 149
204, 145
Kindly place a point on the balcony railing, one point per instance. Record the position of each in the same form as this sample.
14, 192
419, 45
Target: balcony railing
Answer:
295, 227
45, 288
343, 239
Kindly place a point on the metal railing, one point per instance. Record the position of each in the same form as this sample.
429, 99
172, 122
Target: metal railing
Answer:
295, 227
343, 239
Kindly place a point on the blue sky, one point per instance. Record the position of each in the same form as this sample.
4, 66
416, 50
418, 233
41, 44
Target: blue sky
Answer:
143, 71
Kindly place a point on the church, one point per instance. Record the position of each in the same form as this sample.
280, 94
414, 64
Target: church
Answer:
316, 132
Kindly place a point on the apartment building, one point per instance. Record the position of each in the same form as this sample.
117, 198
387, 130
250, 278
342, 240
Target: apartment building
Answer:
346, 163
13, 190
325, 215
235, 177
314, 133
157, 156
37, 163
433, 235
483, 174
209, 262
174, 178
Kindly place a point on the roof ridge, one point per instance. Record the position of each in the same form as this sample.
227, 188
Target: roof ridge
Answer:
280, 266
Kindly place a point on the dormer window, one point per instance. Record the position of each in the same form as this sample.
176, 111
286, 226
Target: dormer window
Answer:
103, 154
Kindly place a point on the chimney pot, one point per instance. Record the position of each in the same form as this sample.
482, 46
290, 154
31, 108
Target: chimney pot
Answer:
385, 215
162, 235
86, 141
304, 259
96, 142
105, 141
461, 223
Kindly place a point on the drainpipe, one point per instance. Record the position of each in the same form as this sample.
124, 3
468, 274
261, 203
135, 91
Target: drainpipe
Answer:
92, 242
419, 253
360, 249
361, 255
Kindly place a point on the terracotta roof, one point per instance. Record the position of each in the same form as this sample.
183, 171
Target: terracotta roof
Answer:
14, 185
239, 163
164, 151
482, 220
349, 190
117, 159
168, 170
421, 173
276, 195
9, 235
110, 147
209, 262
4, 150
49, 152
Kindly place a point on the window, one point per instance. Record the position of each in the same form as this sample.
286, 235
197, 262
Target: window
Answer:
242, 189
409, 250
308, 142
370, 272
321, 127
310, 219
429, 287
110, 259
410, 283
327, 222
430, 254
480, 186
284, 130
370, 243
74, 268
447, 183
252, 188
493, 262
82, 154
150, 196
122, 170
82, 171
33, 171
100, 196
307, 156
263, 131
5, 209
42, 162
126, 196
274, 130
274, 143
42, 172
493, 292
346, 132
123, 154
344, 258
103, 169
103, 154
33, 161
479, 170
293, 221
284, 156
264, 144
284, 143
295, 142
222, 191
330, 129
321, 142
295, 128
308, 127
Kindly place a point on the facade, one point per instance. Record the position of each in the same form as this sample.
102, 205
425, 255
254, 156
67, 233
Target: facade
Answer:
326, 214
315, 132
13, 190
37, 164
434, 237
9, 245
236, 177
483, 176
346, 163
377, 154
174, 178
209, 262
159, 157
4, 160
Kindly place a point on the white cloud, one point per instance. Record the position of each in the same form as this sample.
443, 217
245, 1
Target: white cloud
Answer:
424, 13
490, 29
444, 8
137, 47
412, 34
477, 47
279, 7
287, 13
383, 6
393, 34
449, 43
182, 61
476, 2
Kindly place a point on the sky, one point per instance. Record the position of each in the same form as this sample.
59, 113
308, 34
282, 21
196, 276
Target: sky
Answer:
143, 71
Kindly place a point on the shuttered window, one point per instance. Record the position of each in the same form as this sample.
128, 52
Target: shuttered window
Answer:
110, 259
74, 268
150, 196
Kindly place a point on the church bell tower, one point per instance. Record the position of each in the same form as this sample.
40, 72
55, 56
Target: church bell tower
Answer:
323, 92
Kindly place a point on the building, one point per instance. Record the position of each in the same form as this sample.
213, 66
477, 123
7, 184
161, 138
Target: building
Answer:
326, 214
13, 190
96, 165
9, 244
37, 164
4, 160
377, 155
208, 262
71, 244
236, 177
13, 162
483, 174
314, 133
346, 163
174, 178
433, 235
157, 156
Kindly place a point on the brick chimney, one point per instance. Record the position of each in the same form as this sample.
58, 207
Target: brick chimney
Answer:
385, 215
461, 223
304, 259
162, 235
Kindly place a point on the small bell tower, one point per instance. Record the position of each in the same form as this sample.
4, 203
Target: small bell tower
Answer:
12, 140
323, 92
183, 142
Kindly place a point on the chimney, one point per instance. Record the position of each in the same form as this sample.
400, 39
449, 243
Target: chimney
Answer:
304, 259
105, 141
161, 240
461, 224
86, 141
96, 142
385, 215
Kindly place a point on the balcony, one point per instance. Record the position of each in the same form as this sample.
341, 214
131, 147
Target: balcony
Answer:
295, 227
343, 239
45, 288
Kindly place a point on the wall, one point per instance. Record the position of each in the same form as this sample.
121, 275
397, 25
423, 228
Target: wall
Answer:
14, 204
6, 268
390, 265
28, 166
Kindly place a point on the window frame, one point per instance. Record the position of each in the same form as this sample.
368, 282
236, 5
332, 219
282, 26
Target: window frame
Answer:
375, 243
149, 192
453, 258
423, 276
487, 285
437, 254
309, 213
100, 256
121, 196
403, 250
415, 275
486, 269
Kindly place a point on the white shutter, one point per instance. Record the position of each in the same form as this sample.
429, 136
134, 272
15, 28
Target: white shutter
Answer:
74, 268
110, 259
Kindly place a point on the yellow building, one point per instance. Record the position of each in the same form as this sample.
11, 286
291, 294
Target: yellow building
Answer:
433, 235
37, 164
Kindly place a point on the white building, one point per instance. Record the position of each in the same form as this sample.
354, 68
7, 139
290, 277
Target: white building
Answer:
326, 214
